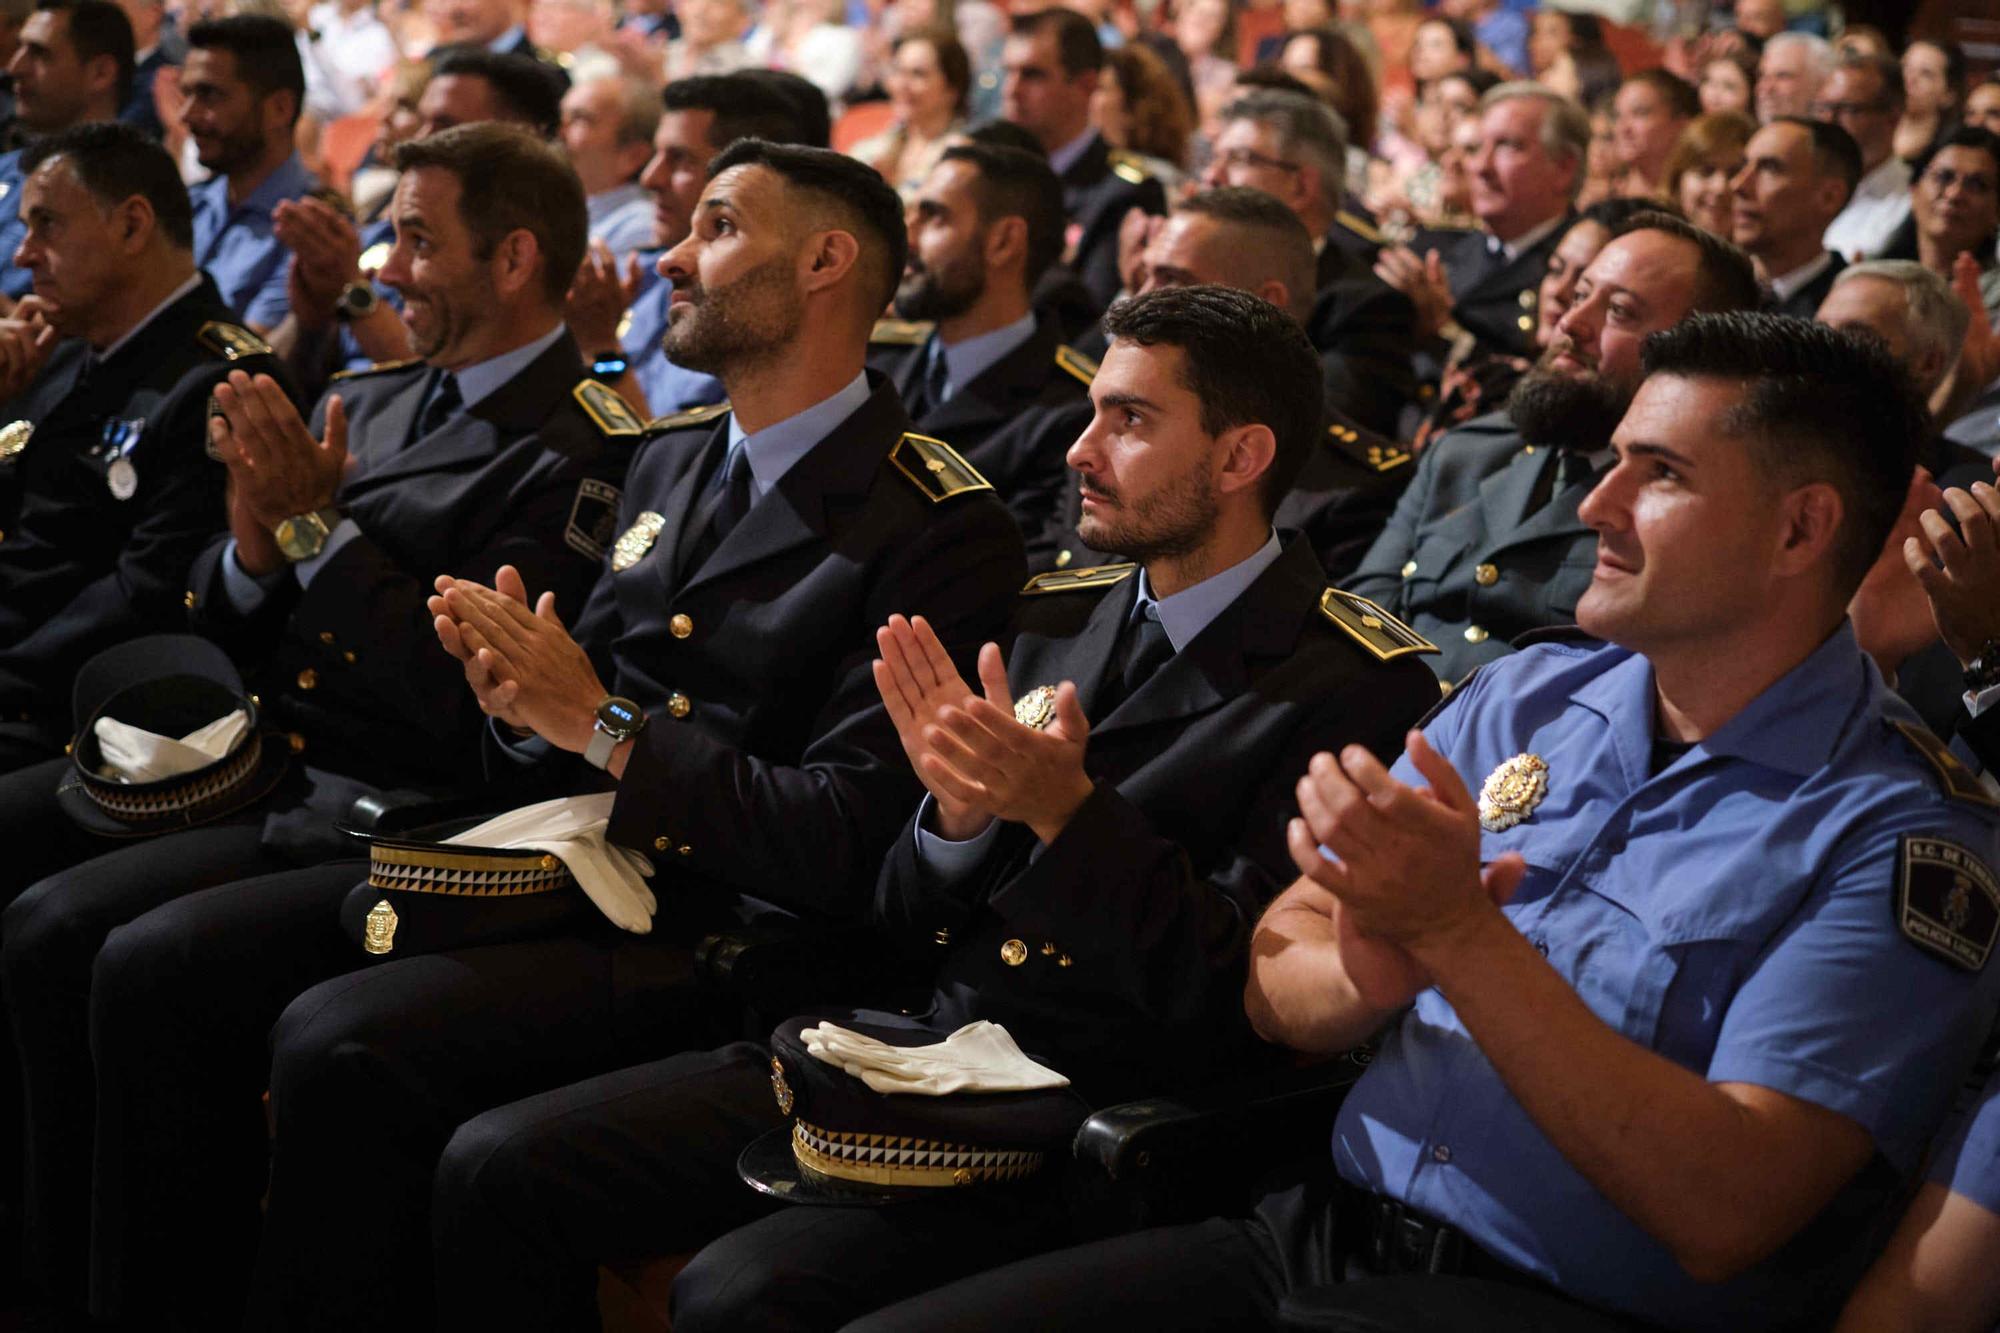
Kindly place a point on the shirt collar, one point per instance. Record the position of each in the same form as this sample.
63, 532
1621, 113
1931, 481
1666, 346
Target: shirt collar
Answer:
968, 359
477, 382
1188, 612
1786, 284
289, 181
150, 316
1890, 179
506, 40
1528, 239
776, 448
1063, 158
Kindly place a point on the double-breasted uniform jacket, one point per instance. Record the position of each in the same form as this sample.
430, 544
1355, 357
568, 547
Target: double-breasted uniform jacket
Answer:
1118, 952
111, 498
1466, 561
1097, 190
1015, 421
351, 664
769, 768
1365, 333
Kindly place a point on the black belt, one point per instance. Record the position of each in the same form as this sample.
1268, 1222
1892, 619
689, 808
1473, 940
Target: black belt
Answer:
1389, 1238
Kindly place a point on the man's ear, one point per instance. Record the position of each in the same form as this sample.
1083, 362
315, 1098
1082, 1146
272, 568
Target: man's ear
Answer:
1006, 243
827, 258
1248, 453
1813, 514
132, 222
517, 262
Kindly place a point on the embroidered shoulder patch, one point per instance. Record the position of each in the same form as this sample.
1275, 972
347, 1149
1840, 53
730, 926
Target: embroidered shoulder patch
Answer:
593, 518
1947, 901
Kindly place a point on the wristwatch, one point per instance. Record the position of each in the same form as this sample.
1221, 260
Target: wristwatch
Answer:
303, 536
617, 720
1983, 671
607, 367
357, 300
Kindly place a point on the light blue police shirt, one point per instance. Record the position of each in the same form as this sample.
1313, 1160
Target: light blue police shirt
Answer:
1734, 913
236, 246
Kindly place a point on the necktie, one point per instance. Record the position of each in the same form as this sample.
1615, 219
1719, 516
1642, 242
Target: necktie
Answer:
726, 500
937, 379
1143, 648
1566, 468
443, 400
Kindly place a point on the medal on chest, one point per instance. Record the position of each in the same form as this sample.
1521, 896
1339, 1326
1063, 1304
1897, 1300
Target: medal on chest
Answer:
1512, 791
120, 439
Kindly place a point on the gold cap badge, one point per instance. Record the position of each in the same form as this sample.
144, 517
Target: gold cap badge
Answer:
1512, 791
379, 932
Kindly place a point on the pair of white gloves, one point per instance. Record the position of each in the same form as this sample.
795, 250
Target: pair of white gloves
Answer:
571, 828
979, 1057
133, 754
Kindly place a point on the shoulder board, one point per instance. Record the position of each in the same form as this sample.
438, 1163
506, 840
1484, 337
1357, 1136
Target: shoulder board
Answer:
693, 416
1372, 627
1076, 363
1128, 167
231, 342
378, 368
1959, 782
601, 403
1360, 227
1075, 580
935, 468
1370, 450
901, 332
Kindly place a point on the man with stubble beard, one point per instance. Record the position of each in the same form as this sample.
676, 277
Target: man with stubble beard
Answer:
1486, 544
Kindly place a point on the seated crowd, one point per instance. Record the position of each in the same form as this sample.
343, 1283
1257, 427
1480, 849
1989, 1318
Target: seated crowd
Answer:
1128, 551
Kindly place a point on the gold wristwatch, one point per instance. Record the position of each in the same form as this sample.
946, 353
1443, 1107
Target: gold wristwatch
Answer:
303, 536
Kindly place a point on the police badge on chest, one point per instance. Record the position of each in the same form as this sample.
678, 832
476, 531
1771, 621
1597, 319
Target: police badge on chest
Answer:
115, 448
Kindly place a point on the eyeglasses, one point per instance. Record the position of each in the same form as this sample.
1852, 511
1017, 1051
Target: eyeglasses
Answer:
1835, 110
1250, 157
1943, 178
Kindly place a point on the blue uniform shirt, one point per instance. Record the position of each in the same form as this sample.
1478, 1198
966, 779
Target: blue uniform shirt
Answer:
668, 387
236, 246
1734, 913
1968, 1155
16, 282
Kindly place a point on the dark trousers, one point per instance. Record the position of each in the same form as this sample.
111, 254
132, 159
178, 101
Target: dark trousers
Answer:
63, 892
1291, 1264
372, 1072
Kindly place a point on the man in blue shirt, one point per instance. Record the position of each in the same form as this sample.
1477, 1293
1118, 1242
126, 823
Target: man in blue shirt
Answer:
244, 88
1691, 977
73, 65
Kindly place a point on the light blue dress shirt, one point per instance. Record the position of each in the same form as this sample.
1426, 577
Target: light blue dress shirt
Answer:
621, 217
236, 246
969, 358
16, 282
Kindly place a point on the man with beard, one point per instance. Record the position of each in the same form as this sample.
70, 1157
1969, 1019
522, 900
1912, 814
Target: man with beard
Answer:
983, 370
1086, 883
244, 88
485, 456
717, 682
73, 66
1486, 544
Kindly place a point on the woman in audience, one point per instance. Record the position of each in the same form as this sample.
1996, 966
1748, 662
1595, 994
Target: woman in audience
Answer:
1726, 83
1139, 107
1933, 87
928, 80
1205, 31
1601, 167
1647, 117
1435, 189
810, 38
1705, 159
1333, 64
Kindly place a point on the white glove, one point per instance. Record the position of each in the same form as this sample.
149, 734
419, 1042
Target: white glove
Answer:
979, 1057
571, 828
133, 754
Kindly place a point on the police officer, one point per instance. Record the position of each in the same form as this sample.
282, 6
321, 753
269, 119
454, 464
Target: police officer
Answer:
1649, 1084
1212, 662
485, 455
757, 549
105, 495
1485, 543
73, 66
982, 369
1051, 62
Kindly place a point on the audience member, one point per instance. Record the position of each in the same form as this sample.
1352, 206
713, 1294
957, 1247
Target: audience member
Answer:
929, 81
1864, 96
1933, 87
607, 132
1789, 74
1703, 166
1797, 175
1651, 109
1727, 83
1982, 106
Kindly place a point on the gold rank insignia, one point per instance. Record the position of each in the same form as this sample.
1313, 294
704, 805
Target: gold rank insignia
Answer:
378, 368
1075, 580
1960, 782
1129, 167
601, 403
1360, 227
638, 539
14, 438
935, 467
901, 332
1037, 708
1368, 449
1072, 362
1370, 626
1512, 791
693, 416
231, 342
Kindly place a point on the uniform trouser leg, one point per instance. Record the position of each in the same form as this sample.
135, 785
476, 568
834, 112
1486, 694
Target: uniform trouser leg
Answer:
814, 1268
531, 1197
182, 1000
372, 1072
49, 939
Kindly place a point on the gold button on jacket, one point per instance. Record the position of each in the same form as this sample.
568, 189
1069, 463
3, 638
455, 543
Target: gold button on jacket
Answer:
1013, 953
1486, 575
1475, 634
678, 705
308, 679
680, 626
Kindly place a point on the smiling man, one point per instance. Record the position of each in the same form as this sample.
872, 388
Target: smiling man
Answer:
1486, 543
1647, 1048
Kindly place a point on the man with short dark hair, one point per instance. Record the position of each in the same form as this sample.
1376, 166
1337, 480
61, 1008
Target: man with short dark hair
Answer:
1051, 65
1184, 688
975, 365
1486, 543
480, 456
73, 66
1865, 97
762, 543
1646, 1050
1797, 176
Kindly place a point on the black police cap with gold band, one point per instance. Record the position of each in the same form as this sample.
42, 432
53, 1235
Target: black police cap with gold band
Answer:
170, 685
424, 894
850, 1146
